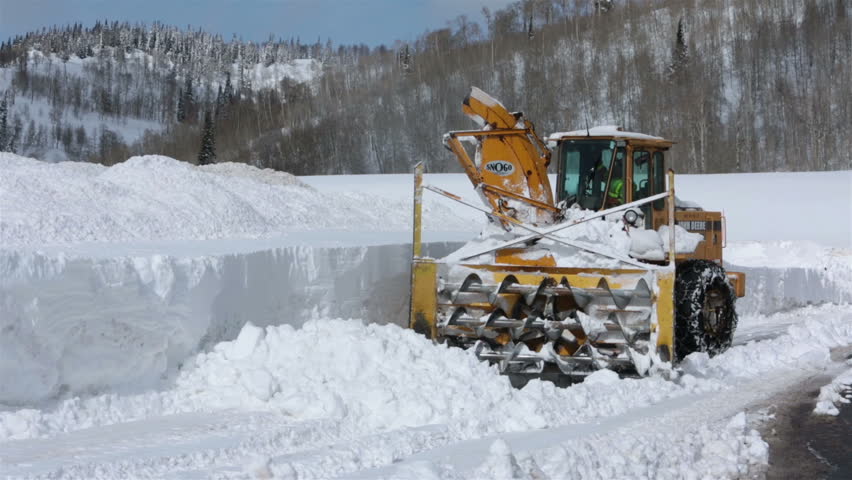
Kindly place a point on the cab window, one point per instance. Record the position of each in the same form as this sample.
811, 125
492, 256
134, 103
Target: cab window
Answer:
641, 175
585, 170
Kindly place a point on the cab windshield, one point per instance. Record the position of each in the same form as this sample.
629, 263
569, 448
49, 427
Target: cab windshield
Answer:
585, 170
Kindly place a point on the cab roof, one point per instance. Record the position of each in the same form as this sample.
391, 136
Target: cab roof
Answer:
610, 132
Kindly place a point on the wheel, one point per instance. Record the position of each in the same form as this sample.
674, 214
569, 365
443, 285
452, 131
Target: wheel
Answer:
705, 318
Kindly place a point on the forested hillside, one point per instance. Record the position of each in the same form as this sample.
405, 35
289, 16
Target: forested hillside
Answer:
741, 85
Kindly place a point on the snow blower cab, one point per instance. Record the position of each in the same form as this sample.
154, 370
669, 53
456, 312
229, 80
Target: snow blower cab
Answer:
611, 273
605, 167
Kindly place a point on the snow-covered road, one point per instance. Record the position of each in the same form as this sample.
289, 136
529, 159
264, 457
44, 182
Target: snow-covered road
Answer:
125, 350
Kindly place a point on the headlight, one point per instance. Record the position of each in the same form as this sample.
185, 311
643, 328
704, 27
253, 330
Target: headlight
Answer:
631, 216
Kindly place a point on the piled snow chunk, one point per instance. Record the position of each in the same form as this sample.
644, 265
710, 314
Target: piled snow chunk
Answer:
685, 242
364, 377
724, 450
806, 344
249, 338
831, 395
608, 235
501, 464
605, 235
646, 244
602, 377
687, 204
383, 377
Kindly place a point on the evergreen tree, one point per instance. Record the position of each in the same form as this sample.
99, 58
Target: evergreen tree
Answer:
220, 102
4, 126
207, 154
181, 108
189, 106
680, 54
229, 88
15, 136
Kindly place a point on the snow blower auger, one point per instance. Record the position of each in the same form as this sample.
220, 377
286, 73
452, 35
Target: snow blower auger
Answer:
550, 288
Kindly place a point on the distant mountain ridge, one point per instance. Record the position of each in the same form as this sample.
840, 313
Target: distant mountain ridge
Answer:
79, 93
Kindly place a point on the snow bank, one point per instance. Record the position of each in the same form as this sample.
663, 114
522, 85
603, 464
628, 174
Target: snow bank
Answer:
383, 377
720, 450
143, 305
266, 176
110, 277
78, 323
156, 198
831, 396
151, 197
792, 206
70, 308
785, 275
805, 344
358, 375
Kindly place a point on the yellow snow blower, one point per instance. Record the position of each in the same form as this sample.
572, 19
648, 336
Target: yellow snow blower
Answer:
539, 299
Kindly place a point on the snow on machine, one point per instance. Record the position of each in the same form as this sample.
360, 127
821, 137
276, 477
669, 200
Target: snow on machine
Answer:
614, 272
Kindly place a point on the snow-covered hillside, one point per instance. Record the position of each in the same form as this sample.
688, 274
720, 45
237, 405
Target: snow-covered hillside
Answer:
72, 108
163, 320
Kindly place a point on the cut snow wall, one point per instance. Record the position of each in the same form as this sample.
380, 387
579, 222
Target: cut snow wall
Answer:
81, 325
775, 289
84, 325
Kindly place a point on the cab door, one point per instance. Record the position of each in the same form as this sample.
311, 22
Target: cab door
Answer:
657, 184
642, 185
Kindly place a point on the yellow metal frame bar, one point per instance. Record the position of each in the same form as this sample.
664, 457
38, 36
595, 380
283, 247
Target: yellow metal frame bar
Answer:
671, 208
665, 315
464, 159
424, 278
417, 241
665, 287
424, 298
506, 193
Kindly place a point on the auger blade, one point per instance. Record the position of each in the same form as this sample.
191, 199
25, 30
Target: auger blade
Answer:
576, 323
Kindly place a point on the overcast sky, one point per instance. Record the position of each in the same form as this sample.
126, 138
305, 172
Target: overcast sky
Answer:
344, 21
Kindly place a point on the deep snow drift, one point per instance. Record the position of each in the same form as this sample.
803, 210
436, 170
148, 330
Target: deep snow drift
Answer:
385, 389
111, 277
831, 396
361, 374
125, 297
159, 198
87, 324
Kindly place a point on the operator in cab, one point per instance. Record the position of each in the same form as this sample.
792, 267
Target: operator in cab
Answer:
616, 193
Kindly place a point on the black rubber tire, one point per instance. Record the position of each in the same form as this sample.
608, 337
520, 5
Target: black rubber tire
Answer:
705, 314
